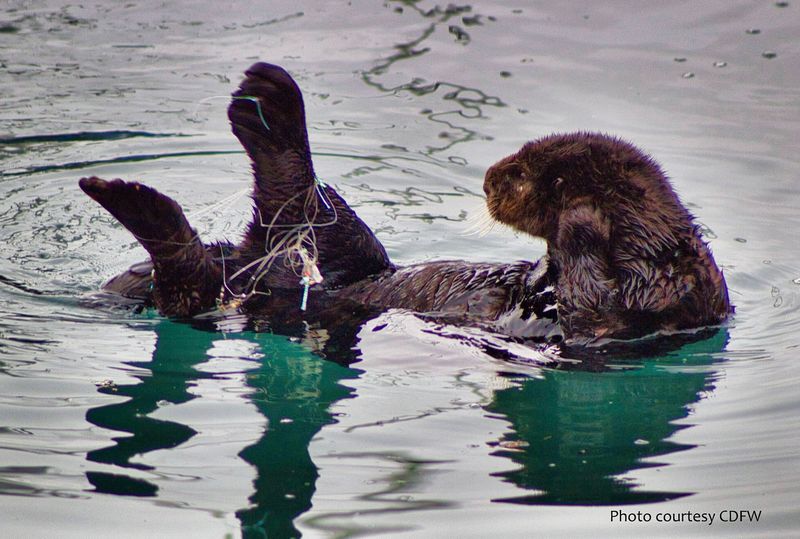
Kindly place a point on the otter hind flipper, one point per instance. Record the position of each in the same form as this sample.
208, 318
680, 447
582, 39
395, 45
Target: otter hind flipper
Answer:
146, 213
267, 115
187, 280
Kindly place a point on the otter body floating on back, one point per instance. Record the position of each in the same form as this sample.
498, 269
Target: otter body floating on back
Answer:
624, 257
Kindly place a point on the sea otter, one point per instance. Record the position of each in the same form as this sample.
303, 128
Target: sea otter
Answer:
624, 258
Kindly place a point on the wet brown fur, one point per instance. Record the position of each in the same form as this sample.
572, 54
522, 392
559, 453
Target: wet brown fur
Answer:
629, 257
624, 257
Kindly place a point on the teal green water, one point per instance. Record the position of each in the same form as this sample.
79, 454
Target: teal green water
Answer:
120, 424
290, 387
572, 433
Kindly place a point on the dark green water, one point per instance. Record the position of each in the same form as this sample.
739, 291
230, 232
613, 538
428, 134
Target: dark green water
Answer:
572, 433
128, 425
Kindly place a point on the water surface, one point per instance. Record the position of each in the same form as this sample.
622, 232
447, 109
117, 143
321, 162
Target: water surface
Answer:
124, 423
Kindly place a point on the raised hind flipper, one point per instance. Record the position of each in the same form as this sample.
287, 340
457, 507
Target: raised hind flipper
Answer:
187, 281
291, 207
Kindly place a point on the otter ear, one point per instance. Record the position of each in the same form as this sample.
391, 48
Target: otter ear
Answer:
558, 183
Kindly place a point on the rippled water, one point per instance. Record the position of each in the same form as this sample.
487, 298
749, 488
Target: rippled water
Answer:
132, 425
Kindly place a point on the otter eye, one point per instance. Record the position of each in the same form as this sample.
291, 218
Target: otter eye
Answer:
558, 182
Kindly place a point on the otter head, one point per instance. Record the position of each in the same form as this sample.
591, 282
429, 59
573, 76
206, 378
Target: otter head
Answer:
523, 191
540, 188
622, 242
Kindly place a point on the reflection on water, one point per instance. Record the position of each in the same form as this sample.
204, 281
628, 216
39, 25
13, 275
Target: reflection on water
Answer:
292, 388
574, 434
408, 103
469, 102
170, 376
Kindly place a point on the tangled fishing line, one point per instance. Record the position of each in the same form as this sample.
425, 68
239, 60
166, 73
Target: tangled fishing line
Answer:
294, 243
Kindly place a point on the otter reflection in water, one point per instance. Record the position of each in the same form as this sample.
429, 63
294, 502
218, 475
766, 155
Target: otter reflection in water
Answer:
624, 257
566, 437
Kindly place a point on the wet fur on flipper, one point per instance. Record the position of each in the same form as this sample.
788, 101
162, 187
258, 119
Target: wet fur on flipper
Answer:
186, 280
286, 192
291, 210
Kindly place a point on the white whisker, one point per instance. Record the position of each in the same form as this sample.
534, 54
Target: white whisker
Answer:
480, 222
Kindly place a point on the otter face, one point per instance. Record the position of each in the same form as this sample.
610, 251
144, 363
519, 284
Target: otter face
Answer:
548, 179
525, 192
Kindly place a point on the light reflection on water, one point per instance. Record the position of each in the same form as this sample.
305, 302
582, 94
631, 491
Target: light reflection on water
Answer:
156, 427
